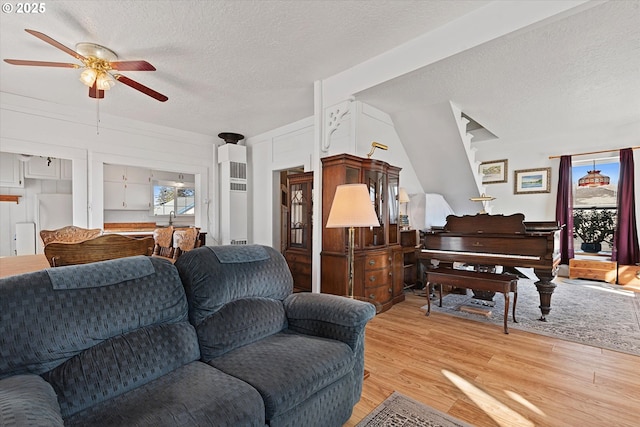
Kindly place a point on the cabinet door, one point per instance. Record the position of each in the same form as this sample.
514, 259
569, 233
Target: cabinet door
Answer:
376, 182
137, 196
114, 197
42, 168
10, 171
138, 175
115, 173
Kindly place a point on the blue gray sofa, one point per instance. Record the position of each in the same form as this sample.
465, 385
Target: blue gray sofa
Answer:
218, 339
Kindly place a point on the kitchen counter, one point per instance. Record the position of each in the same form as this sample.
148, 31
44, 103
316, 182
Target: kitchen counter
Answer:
141, 229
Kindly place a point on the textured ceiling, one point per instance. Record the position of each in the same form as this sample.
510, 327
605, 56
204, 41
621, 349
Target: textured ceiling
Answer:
566, 76
241, 66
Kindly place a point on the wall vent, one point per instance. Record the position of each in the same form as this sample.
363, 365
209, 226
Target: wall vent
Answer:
238, 242
237, 186
238, 170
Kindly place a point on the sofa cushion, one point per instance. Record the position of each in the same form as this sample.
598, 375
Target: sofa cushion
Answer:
315, 412
28, 400
210, 284
239, 323
40, 327
122, 363
193, 395
287, 368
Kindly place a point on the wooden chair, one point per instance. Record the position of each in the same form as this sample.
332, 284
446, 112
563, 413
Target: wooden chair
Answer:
101, 248
69, 234
163, 238
185, 239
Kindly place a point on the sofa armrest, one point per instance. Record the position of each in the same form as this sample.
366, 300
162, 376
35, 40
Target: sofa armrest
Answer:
28, 400
328, 316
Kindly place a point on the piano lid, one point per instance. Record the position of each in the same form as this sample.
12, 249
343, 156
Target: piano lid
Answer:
485, 223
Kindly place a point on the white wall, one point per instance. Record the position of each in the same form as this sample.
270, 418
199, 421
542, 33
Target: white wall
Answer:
280, 149
541, 207
34, 127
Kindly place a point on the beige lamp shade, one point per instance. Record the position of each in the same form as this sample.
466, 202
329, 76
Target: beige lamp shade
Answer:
403, 197
352, 207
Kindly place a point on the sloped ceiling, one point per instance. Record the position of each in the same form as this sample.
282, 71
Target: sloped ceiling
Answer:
568, 76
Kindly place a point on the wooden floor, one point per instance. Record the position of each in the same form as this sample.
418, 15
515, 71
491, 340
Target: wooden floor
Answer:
475, 372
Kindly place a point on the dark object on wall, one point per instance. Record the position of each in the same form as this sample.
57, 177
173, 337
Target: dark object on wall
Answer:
230, 137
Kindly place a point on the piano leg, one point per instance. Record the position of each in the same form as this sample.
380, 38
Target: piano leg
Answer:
545, 289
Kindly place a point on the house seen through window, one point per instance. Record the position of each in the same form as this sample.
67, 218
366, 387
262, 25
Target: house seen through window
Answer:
595, 187
175, 197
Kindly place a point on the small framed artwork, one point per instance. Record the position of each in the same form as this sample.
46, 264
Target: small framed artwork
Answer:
531, 181
494, 172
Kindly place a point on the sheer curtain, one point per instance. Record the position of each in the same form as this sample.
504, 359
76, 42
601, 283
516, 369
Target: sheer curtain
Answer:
625, 242
564, 209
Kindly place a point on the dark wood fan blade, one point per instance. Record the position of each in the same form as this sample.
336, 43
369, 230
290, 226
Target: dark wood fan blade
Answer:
52, 42
132, 66
142, 88
41, 63
94, 92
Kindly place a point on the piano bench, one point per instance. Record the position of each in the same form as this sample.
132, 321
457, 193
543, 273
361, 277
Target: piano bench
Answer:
503, 283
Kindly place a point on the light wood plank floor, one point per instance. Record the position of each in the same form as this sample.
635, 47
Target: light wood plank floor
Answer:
475, 372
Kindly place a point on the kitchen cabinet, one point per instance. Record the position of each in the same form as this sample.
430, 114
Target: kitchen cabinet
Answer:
378, 257
126, 188
42, 168
11, 172
48, 168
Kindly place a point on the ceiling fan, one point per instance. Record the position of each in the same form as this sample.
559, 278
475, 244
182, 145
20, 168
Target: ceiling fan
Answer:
99, 64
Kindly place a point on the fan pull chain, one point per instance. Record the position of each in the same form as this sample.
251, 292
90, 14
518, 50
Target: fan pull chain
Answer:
97, 116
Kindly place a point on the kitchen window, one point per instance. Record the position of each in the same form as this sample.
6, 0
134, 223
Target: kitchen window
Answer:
176, 197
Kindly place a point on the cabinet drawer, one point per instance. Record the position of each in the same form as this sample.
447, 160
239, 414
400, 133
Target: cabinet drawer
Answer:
379, 294
374, 262
374, 278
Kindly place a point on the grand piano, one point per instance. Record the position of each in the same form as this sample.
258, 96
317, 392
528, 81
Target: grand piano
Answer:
486, 240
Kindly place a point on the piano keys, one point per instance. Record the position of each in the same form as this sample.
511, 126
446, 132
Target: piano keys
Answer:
489, 240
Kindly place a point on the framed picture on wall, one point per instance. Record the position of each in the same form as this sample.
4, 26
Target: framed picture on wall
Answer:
531, 181
494, 172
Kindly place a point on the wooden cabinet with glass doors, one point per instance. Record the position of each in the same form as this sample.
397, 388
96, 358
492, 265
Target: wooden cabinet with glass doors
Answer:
299, 228
378, 266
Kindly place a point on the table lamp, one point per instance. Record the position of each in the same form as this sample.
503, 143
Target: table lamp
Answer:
352, 207
403, 199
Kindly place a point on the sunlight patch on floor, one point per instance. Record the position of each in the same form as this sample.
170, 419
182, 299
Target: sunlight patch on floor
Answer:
524, 402
615, 291
498, 411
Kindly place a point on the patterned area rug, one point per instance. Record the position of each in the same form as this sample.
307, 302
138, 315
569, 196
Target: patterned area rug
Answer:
592, 313
398, 410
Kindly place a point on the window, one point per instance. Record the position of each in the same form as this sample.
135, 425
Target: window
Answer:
175, 197
595, 206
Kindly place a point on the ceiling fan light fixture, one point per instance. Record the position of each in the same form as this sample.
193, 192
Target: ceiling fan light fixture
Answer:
104, 81
88, 76
96, 51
